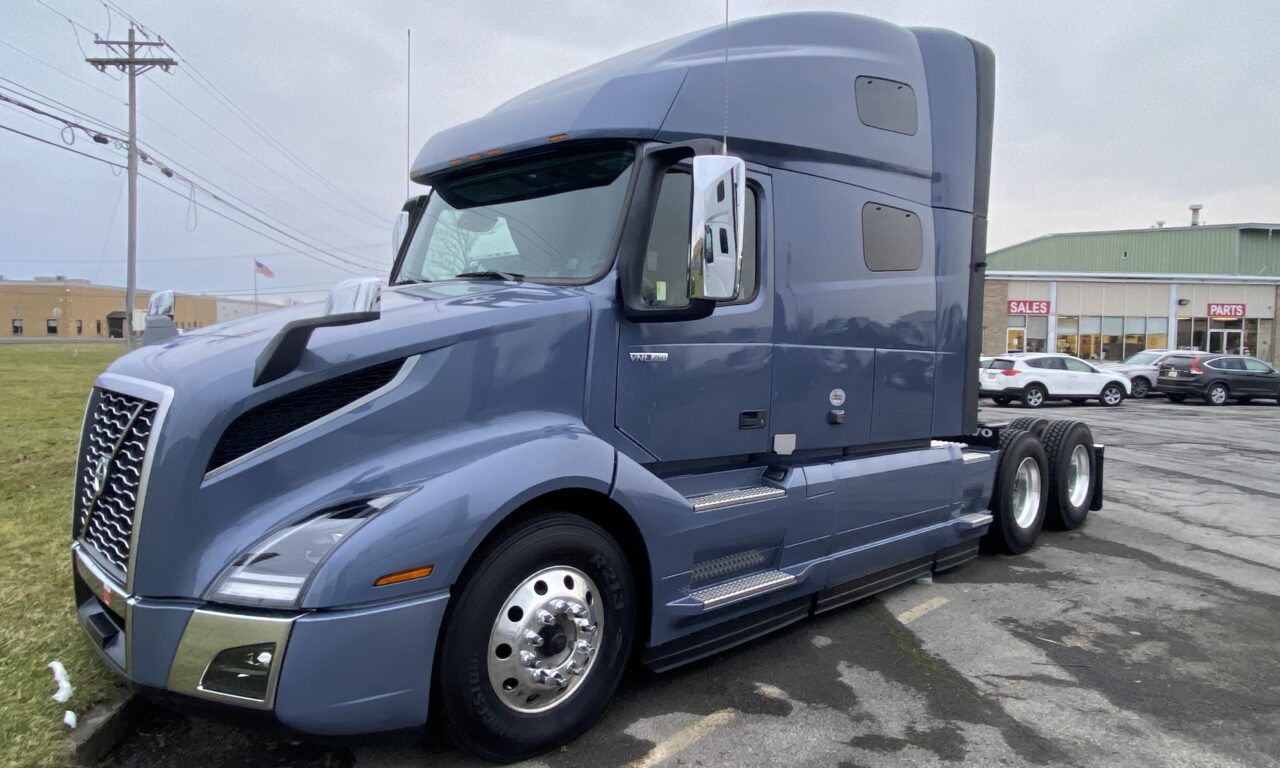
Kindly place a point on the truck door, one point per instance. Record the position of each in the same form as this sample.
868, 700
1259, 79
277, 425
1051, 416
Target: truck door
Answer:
699, 389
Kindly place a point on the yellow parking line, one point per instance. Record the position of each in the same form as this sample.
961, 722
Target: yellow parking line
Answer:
681, 740
906, 617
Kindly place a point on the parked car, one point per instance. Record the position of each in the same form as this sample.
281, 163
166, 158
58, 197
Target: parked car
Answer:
1141, 369
1218, 378
1036, 378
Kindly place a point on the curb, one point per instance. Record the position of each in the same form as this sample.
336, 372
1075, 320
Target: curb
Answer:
102, 729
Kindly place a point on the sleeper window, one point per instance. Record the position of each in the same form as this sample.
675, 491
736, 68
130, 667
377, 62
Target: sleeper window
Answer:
666, 262
886, 104
892, 239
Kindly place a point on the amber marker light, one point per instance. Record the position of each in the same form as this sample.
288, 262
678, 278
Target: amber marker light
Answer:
557, 137
399, 576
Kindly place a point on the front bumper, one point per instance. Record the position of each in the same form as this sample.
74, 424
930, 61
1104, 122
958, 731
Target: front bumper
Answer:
335, 672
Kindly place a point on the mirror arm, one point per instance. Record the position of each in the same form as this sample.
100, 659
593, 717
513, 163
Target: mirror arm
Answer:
657, 160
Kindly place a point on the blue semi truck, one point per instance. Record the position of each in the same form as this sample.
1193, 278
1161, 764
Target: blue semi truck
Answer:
680, 349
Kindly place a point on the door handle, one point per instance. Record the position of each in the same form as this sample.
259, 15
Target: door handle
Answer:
753, 419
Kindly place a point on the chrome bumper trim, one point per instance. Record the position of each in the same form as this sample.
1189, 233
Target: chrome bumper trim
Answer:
109, 591
208, 633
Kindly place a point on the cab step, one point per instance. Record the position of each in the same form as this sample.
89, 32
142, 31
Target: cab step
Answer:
741, 588
735, 496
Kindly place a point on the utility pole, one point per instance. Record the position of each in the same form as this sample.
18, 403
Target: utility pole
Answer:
128, 61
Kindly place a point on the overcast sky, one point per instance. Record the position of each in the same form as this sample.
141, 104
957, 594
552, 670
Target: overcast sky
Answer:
1108, 115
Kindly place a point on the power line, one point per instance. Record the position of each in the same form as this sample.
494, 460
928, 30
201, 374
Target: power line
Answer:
180, 194
355, 261
62, 72
229, 104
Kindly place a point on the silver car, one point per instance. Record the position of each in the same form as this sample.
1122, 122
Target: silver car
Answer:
1141, 369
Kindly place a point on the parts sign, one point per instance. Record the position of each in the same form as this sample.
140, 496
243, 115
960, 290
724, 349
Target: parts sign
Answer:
1226, 310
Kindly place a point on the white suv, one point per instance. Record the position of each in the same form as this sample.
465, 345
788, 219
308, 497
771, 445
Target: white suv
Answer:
1040, 377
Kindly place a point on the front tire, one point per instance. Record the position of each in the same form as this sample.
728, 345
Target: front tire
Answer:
1140, 388
1019, 499
1112, 395
1001, 400
1217, 394
537, 639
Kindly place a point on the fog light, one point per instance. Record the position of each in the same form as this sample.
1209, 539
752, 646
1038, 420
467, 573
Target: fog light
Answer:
242, 671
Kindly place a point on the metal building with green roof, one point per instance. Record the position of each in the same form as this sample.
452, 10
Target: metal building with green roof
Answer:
1106, 295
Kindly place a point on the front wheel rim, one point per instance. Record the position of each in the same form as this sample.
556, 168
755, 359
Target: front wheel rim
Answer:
1111, 396
1034, 397
544, 641
1139, 389
1078, 476
1026, 493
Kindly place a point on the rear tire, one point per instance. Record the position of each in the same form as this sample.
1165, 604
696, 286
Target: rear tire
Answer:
1140, 388
1001, 400
1177, 398
1112, 395
1019, 499
1068, 448
1217, 394
1033, 424
504, 724
1034, 396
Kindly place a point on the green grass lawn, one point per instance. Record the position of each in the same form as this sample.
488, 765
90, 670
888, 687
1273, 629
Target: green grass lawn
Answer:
43, 389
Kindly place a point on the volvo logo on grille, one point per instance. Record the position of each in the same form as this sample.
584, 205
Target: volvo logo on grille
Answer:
98, 475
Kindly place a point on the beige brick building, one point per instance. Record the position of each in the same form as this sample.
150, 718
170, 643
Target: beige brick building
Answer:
58, 307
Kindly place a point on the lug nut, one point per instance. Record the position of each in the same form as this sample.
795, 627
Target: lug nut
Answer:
529, 658
533, 638
558, 607
578, 609
583, 647
544, 617
574, 668
584, 627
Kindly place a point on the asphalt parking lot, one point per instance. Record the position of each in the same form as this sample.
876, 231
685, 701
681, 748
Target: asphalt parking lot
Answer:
1146, 638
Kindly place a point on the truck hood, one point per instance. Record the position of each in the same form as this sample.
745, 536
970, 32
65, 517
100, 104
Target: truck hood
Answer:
221, 358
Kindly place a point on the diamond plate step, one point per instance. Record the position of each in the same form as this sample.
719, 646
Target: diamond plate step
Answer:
735, 496
740, 588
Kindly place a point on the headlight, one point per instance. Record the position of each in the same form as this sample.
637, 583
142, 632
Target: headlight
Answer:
274, 572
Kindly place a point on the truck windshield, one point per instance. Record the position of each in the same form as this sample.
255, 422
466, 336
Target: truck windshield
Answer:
548, 219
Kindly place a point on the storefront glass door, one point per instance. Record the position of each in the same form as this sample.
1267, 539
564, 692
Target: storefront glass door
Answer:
1226, 341
1015, 340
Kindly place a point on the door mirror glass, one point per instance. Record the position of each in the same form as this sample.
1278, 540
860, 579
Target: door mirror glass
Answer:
161, 304
715, 236
359, 294
398, 232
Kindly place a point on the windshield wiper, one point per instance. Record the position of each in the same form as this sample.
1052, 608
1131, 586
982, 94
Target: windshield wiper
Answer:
490, 274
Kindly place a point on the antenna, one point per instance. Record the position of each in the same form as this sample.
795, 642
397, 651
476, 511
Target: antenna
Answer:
408, 106
725, 140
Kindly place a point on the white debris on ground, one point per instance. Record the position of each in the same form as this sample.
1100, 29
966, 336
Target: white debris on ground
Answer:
63, 694
69, 718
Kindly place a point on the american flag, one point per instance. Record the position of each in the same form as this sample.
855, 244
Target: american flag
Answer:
262, 269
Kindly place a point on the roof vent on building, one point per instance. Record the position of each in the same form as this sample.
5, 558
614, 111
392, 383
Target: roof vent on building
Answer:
1195, 214
1159, 223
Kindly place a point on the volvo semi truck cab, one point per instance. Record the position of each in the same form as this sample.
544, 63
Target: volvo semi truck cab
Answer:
642, 385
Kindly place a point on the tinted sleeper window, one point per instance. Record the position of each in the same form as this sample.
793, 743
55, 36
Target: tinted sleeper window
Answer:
892, 239
886, 104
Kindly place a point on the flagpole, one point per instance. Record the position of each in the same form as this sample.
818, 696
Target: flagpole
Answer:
253, 262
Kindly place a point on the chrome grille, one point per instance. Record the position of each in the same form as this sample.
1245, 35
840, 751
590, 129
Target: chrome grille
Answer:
113, 450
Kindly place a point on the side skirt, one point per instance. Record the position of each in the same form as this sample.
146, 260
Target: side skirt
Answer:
712, 640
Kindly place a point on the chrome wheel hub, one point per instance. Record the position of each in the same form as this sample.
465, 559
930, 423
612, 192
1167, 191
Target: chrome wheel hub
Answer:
543, 642
1078, 476
1026, 493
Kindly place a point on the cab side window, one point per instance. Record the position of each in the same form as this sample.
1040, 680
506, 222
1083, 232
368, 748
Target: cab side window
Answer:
1257, 366
666, 262
1076, 365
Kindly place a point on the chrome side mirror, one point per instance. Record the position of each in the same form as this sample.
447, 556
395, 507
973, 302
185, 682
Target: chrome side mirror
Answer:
398, 231
359, 294
161, 304
715, 237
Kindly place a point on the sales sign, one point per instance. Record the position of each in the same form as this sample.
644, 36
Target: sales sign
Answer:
1025, 307
1226, 310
